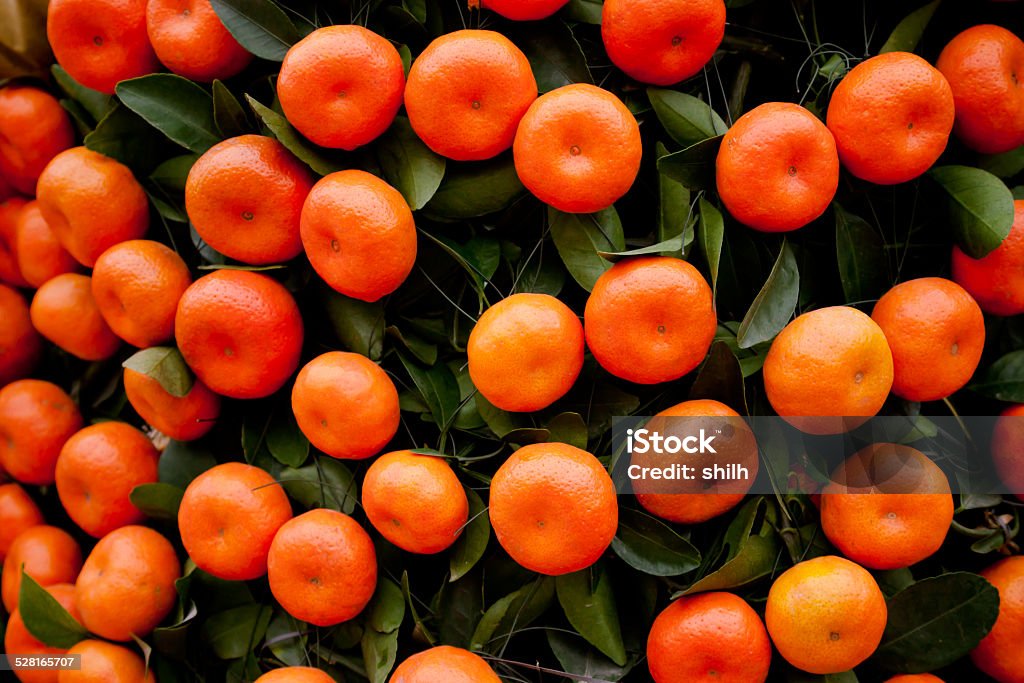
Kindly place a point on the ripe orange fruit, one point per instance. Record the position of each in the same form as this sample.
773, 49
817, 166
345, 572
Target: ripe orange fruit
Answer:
985, 69
346, 405
341, 86
228, 518
127, 583
295, 674
887, 507
48, 554
415, 501
65, 312
662, 41
359, 234
525, 352
524, 10
40, 255
577, 148
829, 363
1008, 449
20, 345
18, 640
553, 508
322, 567
467, 93
996, 281
17, 512
693, 502
36, 418
100, 42
999, 654
104, 662
97, 470
183, 418
650, 319
936, 332
826, 615
33, 129
891, 116
10, 213
244, 197
914, 678
137, 285
798, 168
190, 39
91, 202
710, 636
444, 663
240, 332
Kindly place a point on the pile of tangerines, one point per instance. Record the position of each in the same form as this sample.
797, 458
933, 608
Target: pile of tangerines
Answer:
223, 316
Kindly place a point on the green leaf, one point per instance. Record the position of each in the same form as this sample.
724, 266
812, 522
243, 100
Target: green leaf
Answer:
358, 324
568, 428
908, 32
652, 546
796, 676
227, 112
327, 483
175, 106
711, 235
292, 140
576, 658
424, 351
166, 365
513, 612
555, 55
286, 639
589, 605
97, 104
437, 386
694, 166
686, 119
285, 440
461, 606
479, 257
980, 207
173, 173
670, 247
380, 650
157, 501
720, 378
860, 250
472, 543
236, 632
937, 621
587, 11
475, 189
386, 610
125, 136
674, 210
45, 618
747, 553
181, 462
1004, 380
409, 164
774, 304
1005, 165
260, 26
581, 238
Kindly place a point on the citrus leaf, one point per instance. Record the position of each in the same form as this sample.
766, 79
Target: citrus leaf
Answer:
581, 238
358, 324
475, 189
260, 26
568, 428
589, 605
472, 543
175, 106
166, 365
685, 118
720, 378
861, 254
292, 140
234, 633
386, 610
380, 650
980, 207
515, 611
748, 552
774, 304
937, 621
555, 55
651, 546
576, 658
326, 483
711, 236
182, 461
227, 112
45, 618
286, 638
673, 246
908, 32
125, 136
157, 500
97, 104
461, 607
437, 386
173, 172
675, 217
694, 166
285, 440
1005, 165
587, 11
408, 164
1004, 379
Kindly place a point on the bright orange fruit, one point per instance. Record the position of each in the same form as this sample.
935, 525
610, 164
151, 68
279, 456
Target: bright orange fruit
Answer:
20, 344
996, 281
34, 128
65, 312
40, 255
36, 419
184, 418
48, 554
191, 40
